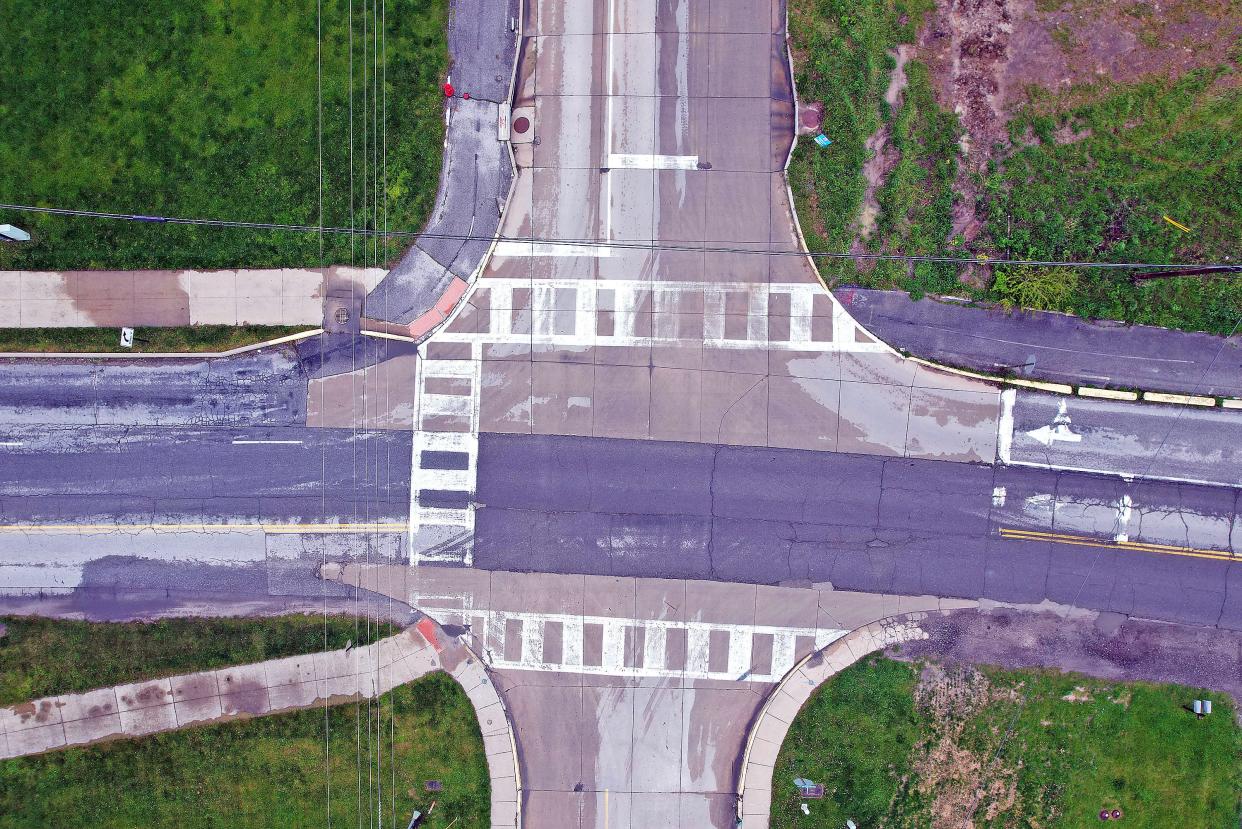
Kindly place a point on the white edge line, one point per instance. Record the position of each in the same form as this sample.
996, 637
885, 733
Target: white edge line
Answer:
1004, 429
1125, 476
240, 442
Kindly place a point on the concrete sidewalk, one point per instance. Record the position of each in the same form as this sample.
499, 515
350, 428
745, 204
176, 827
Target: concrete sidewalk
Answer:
630, 697
141, 708
271, 296
278, 685
1037, 345
754, 790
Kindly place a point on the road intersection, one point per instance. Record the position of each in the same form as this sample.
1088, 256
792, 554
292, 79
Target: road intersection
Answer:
645, 472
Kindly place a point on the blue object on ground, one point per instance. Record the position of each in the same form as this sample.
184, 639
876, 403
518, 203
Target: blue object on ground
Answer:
822, 140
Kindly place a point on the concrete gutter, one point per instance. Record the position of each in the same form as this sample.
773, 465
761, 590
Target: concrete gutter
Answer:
157, 355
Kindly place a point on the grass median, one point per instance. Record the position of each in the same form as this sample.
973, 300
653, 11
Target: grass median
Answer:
188, 339
898, 744
364, 763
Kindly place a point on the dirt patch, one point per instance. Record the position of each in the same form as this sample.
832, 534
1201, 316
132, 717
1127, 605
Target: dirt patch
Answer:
882, 156
1099, 645
989, 58
966, 44
960, 782
1079, 694
1076, 43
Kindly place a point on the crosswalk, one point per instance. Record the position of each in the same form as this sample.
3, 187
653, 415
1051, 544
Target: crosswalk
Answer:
635, 313
445, 456
612, 646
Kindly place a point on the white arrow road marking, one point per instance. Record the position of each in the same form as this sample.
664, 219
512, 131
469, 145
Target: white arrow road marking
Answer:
1058, 431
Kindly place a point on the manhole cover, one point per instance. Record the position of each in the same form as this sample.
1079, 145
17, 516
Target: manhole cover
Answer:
521, 124
341, 316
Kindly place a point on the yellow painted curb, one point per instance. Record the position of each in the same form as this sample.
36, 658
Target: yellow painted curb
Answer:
1180, 399
1107, 394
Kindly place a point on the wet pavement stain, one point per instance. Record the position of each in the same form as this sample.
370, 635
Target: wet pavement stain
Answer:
99, 710
243, 697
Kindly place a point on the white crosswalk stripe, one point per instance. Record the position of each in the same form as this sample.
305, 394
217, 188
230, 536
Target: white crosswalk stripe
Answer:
545, 302
439, 534
614, 646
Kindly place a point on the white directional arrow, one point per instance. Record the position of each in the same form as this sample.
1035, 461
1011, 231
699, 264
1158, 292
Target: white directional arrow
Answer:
1059, 430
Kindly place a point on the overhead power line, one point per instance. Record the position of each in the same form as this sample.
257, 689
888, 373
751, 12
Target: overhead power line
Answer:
645, 246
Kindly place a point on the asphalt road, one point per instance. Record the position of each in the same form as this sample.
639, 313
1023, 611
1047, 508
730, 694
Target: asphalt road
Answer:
743, 514
144, 474
1047, 346
1176, 443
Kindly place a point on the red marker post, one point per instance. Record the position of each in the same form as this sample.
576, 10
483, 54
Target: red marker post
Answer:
448, 90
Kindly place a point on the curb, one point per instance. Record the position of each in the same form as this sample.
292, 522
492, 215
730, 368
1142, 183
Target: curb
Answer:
506, 806
1197, 401
770, 727
156, 355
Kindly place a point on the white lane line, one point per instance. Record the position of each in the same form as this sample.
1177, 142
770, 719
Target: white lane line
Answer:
998, 496
513, 248
652, 161
1124, 512
1004, 430
241, 442
11, 443
608, 128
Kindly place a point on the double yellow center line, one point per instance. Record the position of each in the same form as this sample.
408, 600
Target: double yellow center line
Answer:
270, 529
1133, 546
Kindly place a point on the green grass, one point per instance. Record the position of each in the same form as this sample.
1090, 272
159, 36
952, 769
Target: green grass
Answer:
841, 59
1156, 148
891, 753
41, 657
189, 339
270, 771
207, 108
916, 200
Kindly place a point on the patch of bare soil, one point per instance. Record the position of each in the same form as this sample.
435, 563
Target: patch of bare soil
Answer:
961, 784
1058, 45
987, 56
882, 157
966, 45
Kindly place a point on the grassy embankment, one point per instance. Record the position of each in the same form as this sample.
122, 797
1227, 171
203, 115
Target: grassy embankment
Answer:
283, 770
208, 109
899, 744
841, 57
1146, 149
